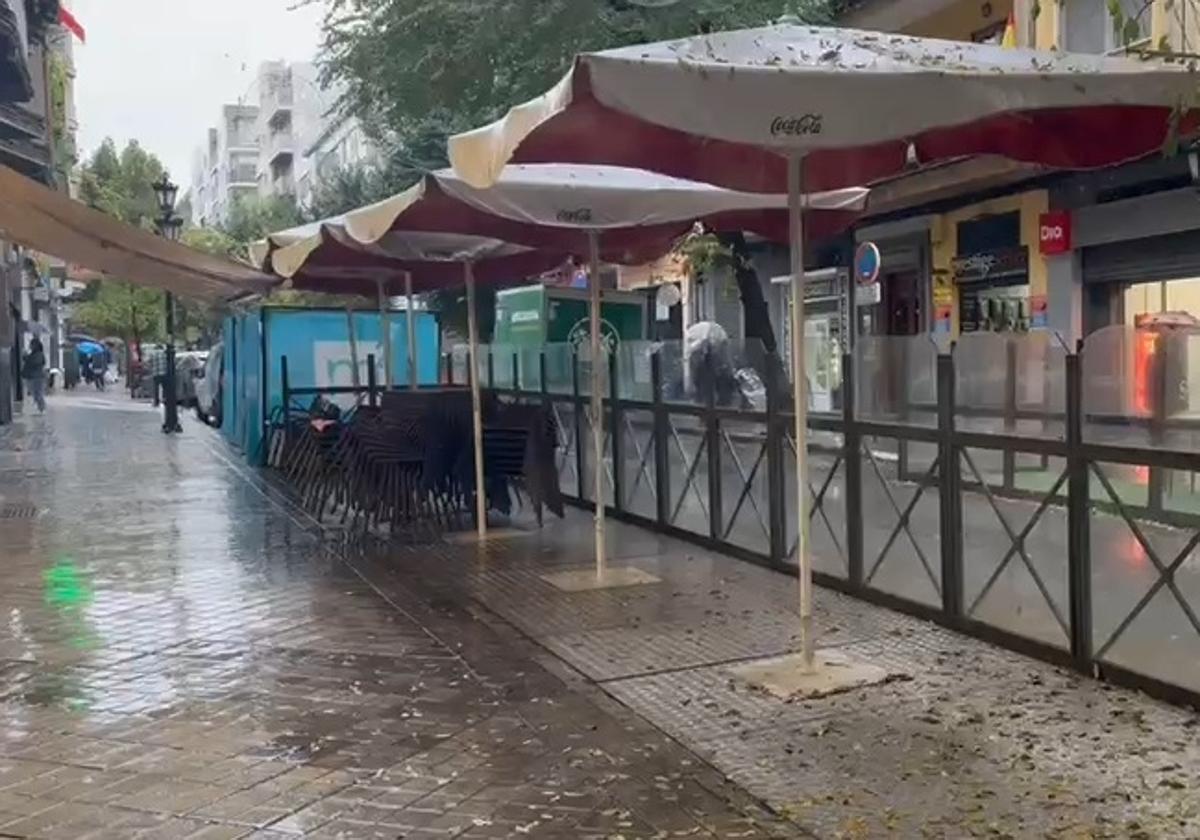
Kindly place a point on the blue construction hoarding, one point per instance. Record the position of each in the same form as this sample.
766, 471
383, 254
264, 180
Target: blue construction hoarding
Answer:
317, 345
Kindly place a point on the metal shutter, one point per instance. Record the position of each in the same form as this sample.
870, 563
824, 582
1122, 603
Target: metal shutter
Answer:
1170, 257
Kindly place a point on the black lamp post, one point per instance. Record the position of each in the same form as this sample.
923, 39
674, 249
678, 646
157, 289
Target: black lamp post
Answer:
169, 226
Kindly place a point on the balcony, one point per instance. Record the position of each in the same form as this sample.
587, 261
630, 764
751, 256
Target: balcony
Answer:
243, 175
281, 147
276, 100
283, 184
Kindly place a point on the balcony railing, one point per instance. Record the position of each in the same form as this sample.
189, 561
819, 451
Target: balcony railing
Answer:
280, 144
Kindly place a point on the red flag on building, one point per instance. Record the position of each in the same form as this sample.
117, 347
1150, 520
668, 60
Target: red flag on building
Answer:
70, 22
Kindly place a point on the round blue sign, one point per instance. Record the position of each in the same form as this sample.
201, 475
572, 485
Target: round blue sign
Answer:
867, 263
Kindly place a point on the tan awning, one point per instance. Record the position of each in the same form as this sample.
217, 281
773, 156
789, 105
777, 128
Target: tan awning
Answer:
51, 222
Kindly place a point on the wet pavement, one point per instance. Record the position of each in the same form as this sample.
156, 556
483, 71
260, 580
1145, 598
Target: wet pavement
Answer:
181, 655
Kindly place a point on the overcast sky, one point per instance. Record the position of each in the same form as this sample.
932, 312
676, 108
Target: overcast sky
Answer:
158, 70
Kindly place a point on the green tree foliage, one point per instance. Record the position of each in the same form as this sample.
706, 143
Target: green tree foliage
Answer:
252, 217
113, 307
119, 183
416, 70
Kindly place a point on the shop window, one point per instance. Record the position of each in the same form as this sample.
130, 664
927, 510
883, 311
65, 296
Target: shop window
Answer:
1088, 24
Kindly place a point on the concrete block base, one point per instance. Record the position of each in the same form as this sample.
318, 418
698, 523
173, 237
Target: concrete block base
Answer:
785, 677
613, 577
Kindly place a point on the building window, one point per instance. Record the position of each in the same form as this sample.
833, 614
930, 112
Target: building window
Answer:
1088, 25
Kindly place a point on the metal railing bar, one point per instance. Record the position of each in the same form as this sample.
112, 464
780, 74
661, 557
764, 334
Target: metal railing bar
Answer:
902, 524
1017, 543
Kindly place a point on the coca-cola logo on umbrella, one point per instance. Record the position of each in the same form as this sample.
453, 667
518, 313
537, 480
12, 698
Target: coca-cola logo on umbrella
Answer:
578, 216
796, 126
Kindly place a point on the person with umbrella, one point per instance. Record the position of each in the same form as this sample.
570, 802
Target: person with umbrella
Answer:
33, 370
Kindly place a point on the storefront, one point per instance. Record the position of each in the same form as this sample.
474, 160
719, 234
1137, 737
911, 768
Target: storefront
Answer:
988, 272
904, 304
1137, 282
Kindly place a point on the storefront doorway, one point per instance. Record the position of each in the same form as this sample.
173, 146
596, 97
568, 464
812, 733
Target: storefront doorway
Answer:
904, 289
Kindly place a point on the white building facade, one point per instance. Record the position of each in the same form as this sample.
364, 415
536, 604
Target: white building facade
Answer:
281, 142
226, 168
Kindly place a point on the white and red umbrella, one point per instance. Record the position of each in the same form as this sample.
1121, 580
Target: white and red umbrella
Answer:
821, 108
729, 108
529, 221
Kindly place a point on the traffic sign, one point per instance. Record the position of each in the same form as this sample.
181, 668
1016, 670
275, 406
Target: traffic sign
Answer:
867, 263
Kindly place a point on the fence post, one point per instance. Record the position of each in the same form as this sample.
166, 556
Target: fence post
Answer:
949, 491
852, 464
1158, 423
902, 444
577, 415
449, 368
516, 372
543, 388
1079, 560
286, 389
614, 431
776, 452
712, 433
491, 369
371, 397
1010, 411
662, 460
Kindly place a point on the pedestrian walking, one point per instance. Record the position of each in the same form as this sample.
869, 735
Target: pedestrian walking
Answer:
33, 370
158, 368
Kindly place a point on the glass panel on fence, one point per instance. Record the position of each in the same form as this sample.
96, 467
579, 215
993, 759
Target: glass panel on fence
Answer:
634, 381
639, 484
750, 369
498, 365
584, 352
1011, 384
1119, 367
745, 496
896, 379
460, 363
676, 378
529, 368
560, 359
707, 366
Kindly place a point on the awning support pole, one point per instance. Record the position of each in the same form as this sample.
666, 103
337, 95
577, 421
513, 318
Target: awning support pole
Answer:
412, 331
800, 391
355, 378
385, 330
597, 392
476, 401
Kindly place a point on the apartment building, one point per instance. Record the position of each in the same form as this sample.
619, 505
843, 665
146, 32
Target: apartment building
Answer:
272, 142
37, 129
226, 167
341, 144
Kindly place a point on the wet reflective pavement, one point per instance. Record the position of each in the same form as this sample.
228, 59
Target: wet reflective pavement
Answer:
180, 656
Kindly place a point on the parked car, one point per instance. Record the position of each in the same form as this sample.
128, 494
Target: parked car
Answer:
189, 369
209, 385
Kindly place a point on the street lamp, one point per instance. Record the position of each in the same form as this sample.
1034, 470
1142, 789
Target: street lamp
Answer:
169, 226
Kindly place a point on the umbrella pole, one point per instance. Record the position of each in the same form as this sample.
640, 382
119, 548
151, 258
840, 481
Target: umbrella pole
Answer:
385, 330
412, 331
800, 391
476, 401
597, 398
354, 377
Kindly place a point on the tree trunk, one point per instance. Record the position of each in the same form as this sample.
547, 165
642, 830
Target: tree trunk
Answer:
756, 311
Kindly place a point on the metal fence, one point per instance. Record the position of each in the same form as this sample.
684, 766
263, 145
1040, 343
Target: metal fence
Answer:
1036, 498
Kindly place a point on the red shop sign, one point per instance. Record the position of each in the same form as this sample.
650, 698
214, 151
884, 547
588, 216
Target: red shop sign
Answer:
1054, 233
